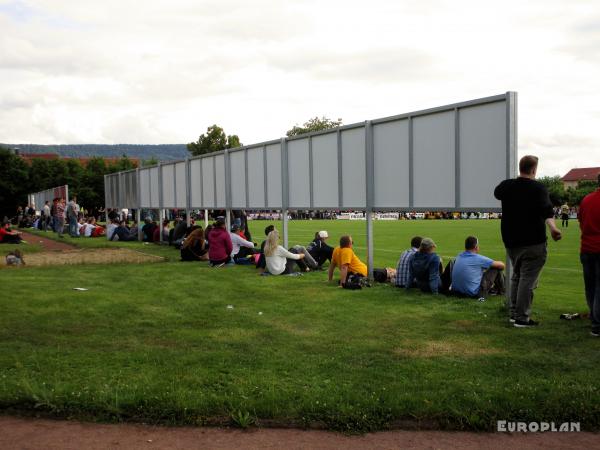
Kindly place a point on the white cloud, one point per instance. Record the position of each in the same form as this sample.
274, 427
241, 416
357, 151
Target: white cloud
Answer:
120, 71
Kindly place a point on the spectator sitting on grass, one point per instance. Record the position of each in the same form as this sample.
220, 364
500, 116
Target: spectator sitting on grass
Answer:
165, 232
122, 233
194, 246
278, 260
425, 268
241, 248
475, 275
8, 236
110, 230
148, 230
319, 250
403, 268
346, 260
220, 246
261, 262
178, 232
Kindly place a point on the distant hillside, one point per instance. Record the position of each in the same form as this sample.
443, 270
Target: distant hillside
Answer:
162, 152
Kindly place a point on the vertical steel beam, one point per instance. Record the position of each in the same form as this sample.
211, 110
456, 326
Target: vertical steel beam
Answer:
246, 180
311, 175
370, 192
227, 162
284, 191
457, 182
511, 167
138, 213
411, 165
160, 200
188, 192
265, 173
340, 170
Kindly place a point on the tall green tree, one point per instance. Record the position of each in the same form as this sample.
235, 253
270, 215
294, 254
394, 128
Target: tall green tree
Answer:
14, 182
214, 140
555, 188
314, 124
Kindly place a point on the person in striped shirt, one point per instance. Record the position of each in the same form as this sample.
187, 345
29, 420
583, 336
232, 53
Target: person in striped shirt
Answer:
402, 268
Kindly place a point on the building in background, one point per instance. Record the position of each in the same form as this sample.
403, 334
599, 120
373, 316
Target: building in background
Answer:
574, 176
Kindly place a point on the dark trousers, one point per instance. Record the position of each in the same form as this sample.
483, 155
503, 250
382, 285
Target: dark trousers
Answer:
290, 263
591, 280
527, 263
322, 254
492, 279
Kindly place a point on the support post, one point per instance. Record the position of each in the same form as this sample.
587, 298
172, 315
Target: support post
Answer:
370, 197
228, 219
188, 192
284, 192
161, 216
138, 217
511, 169
284, 217
205, 218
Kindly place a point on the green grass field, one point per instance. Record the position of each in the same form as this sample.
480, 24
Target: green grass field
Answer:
158, 343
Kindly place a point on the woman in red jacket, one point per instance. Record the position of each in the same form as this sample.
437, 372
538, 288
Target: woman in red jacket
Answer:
219, 245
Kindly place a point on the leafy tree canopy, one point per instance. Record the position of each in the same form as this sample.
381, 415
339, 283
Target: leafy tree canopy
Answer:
214, 140
314, 124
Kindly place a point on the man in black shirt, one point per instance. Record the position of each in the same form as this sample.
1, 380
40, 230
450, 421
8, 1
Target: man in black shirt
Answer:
526, 210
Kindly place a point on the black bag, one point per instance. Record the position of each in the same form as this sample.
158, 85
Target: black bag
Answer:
380, 275
354, 281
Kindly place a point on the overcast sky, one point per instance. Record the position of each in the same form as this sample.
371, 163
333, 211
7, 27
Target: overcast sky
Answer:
149, 72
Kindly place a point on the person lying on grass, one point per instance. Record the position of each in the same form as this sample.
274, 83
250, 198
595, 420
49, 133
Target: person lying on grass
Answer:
345, 259
279, 260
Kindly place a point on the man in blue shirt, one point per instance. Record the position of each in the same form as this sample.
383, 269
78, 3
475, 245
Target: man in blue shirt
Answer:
425, 268
474, 275
403, 268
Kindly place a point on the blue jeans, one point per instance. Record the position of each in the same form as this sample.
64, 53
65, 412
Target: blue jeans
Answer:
591, 280
73, 226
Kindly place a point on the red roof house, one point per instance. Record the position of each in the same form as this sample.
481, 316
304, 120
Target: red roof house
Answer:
573, 176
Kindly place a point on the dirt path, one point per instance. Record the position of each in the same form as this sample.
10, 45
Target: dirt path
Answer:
49, 245
18, 433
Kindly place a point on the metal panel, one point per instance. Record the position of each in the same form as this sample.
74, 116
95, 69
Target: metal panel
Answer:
220, 181
274, 176
154, 197
434, 162
168, 189
482, 154
298, 169
208, 183
196, 183
353, 168
391, 161
145, 188
325, 171
131, 193
256, 178
238, 179
180, 185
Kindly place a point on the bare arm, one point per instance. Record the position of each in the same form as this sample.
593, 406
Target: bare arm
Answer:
343, 274
331, 268
497, 265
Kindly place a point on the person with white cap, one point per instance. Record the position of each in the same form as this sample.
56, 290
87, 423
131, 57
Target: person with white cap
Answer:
319, 249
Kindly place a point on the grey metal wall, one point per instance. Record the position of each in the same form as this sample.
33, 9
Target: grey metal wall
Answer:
38, 199
447, 158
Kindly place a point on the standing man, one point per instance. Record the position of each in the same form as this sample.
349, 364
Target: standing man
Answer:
72, 216
59, 218
589, 222
564, 215
45, 216
526, 210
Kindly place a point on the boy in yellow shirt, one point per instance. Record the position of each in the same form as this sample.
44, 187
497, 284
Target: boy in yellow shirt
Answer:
346, 260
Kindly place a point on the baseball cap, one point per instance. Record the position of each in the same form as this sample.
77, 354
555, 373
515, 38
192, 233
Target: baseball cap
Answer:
323, 234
